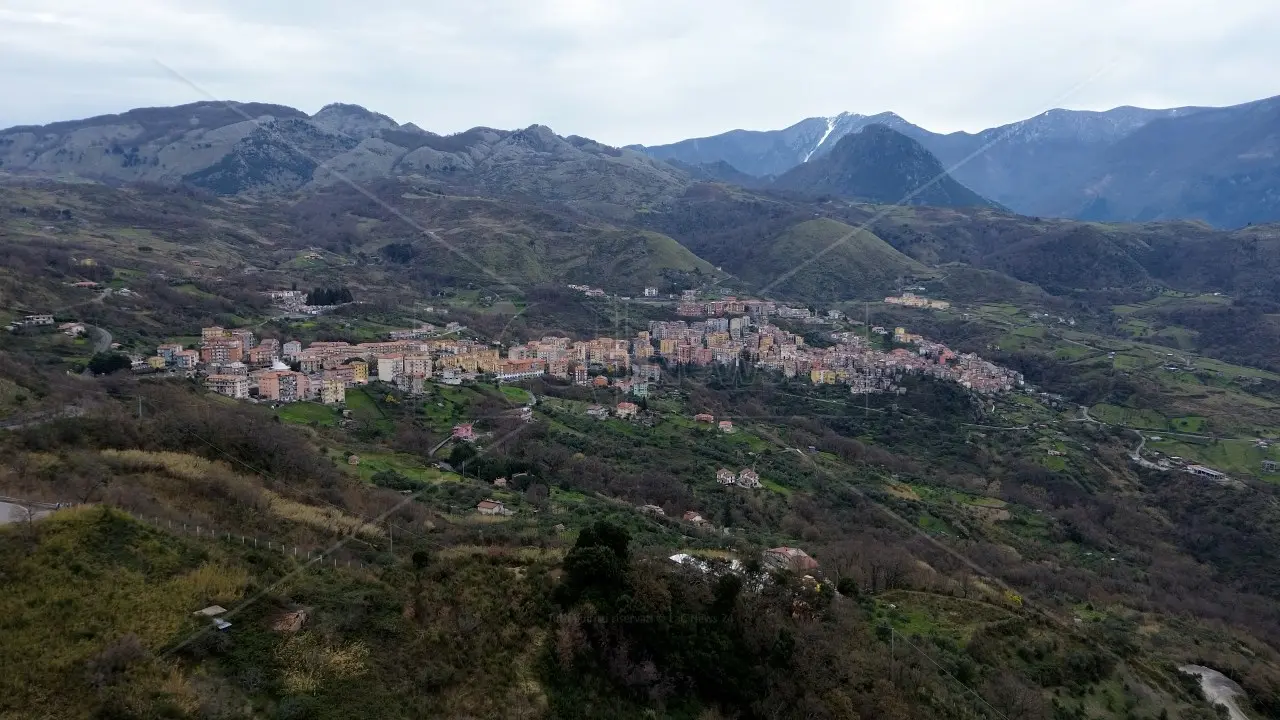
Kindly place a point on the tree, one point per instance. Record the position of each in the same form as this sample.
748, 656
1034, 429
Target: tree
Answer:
596, 567
461, 454
105, 363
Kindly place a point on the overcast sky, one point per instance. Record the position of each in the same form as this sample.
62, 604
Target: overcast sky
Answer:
650, 71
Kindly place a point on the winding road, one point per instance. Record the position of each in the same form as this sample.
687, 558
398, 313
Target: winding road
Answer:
101, 342
1219, 689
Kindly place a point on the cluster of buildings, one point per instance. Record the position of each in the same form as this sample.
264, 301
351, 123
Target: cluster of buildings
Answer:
294, 302
691, 306
912, 300
588, 290
730, 340
853, 360
568, 359
623, 411
867, 369
746, 478
30, 321
236, 364
70, 329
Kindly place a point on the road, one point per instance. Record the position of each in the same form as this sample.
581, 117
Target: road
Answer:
1136, 454
101, 342
1219, 688
16, 512
40, 418
101, 338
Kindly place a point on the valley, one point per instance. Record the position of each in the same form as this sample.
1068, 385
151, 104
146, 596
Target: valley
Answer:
524, 439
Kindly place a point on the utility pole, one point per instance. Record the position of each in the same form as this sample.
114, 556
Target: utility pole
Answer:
391, 533
139, 407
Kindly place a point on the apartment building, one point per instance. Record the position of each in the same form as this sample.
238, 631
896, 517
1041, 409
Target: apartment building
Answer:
233, 386
283, 386
333, 391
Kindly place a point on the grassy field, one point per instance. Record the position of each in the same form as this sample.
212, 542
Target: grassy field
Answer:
1190, 424
411, 466
1239, 457
305, 413
516, 394
1129, 417
928, 615
364, 408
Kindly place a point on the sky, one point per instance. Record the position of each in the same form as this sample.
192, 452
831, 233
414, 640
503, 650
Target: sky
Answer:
625, 71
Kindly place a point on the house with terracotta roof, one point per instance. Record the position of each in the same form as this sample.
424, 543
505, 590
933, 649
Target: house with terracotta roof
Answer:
627, 409
492, 507
694, 517
726, 477
704, 418
748, 478
464, 431
788, 558
726, 426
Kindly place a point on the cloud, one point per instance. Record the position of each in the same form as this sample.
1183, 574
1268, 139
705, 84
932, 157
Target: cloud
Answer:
626, 71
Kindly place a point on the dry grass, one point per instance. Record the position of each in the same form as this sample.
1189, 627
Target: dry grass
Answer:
320, 518
307, 662
216, 583
205, 474
181, 465
902, 491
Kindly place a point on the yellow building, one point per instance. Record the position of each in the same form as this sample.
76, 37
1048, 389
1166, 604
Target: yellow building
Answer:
360, 372
475, 361
156, 362
819, 377
667, 346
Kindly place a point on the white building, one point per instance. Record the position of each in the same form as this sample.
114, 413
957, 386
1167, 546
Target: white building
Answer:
389, 366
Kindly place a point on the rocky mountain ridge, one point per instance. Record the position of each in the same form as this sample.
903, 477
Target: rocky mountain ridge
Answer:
232, 148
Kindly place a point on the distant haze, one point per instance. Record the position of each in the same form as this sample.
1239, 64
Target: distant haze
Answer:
638, 72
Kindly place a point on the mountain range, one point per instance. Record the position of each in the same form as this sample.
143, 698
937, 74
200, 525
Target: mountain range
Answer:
235, 148
1220, 165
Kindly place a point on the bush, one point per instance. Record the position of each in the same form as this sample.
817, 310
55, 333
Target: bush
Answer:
106, 668
109, 362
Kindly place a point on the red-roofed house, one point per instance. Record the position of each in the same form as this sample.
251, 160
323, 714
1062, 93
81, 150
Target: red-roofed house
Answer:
789, 558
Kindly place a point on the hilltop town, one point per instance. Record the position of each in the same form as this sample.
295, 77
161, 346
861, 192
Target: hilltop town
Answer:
733, 332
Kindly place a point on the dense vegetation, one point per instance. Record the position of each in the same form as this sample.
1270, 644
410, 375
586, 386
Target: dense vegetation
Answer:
330, 296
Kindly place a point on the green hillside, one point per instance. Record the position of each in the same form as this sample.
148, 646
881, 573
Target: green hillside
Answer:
825, 260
